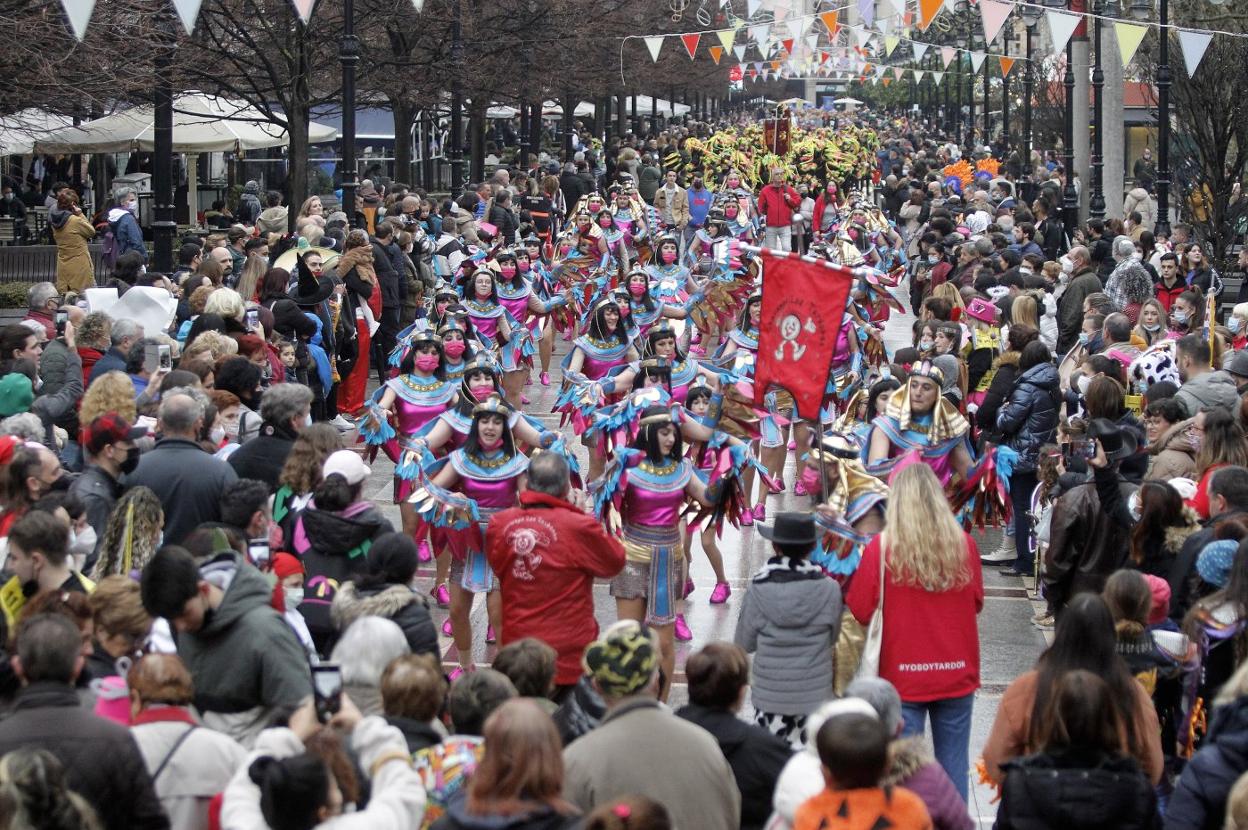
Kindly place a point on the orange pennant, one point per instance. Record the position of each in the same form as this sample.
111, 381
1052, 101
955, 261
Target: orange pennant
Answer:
1006, 65
716, 53
886, 81
775, 66
691, 43
927, 11
829, 20
907, 18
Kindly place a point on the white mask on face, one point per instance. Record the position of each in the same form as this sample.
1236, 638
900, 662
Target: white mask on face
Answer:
294, 597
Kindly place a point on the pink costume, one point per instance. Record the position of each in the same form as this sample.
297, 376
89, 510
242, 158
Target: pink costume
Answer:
493, 482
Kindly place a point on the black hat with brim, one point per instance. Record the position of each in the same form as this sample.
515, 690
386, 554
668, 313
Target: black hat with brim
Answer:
791, 528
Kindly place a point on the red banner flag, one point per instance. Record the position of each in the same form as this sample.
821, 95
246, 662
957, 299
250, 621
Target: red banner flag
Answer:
803, 308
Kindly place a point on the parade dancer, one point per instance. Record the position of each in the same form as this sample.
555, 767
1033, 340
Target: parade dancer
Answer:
699, 403
671, 282
918, 421
488, 472
534, 267
516, 295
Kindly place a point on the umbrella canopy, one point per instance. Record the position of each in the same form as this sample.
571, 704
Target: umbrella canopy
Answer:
849, 101
19, 130
201, 124
584, 109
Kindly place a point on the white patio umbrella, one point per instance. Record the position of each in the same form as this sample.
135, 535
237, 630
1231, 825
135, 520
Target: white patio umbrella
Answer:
847, 101
19, 130
584, 109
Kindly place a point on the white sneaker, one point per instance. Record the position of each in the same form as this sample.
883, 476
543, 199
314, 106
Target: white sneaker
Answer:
341, 423
1004, 553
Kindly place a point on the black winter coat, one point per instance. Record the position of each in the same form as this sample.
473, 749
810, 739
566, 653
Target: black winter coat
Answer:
580, 712
1074, 791
1029, 419
408, 609
388, 278
755, 755
263, 457
1005, 371
102, 762
1199, 799
289, 319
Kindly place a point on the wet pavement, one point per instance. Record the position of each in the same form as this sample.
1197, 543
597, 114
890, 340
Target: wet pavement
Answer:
1009, 644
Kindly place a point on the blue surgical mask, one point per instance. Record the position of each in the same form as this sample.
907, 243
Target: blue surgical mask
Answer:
1234, 324
926, 345
1178, 316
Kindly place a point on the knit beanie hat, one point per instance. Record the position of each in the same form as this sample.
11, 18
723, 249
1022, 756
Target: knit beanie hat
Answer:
623, 661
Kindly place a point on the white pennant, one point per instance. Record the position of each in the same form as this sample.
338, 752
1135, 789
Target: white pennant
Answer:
863, 36
812, 41
1194, 45
418, 5
918, 76
946, 55
977, 61
188, 12
993, 14
899, 6
739, 51
937, 77
897, 72
654, 44
885, 25
920, 49
797, 26
759, 33
751, 7
79, 14
1061, 27
304, 10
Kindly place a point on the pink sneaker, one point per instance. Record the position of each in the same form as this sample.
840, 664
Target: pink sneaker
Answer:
423, 553
442, 596
792, 445
760, 513
697, 350
489, 635
447, 631
545, 378
456, 673
799, 488
721, 593
747, 517
689, 586
682, 629
524, 399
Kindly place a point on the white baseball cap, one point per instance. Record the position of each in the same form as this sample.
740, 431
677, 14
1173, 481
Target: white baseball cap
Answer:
347, 464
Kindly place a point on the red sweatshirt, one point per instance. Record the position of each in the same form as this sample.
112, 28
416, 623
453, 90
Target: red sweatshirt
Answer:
777, 204
931, 640
546, 554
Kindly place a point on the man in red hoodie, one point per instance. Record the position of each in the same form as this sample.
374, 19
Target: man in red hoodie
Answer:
777, 202
546, 554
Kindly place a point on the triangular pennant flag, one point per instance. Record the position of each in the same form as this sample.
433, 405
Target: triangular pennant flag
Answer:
829, 21
899, 6
863, 36
79, 14
739, 51
886, 82
304, 9
1129, 37
946, 55
1061, 27
188, 12
993, 14
716, 53
977, 61
787, 43
897, 70
890, 43
760, 33
928, 9
920, 49
775, 66
918, 76
885, 25
726, 37
937, 77
691, 43
1006, 65
866, 10
781, 13
751, 7
812, 41
1194, 45
654, 44
795, 26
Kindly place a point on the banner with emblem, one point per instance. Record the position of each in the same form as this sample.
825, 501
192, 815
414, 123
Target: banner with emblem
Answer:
804, 304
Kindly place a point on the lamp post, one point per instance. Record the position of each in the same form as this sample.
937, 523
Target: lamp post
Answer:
349, 54
164, 227
1096, 205
1031, 17
457, 104
1143, 10
1070, 198
970, 101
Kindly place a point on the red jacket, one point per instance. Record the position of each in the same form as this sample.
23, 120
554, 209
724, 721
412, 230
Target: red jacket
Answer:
777, 204
931, 640
1167, 296
546, 554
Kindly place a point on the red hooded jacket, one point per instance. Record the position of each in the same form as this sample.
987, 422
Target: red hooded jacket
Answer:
546, 554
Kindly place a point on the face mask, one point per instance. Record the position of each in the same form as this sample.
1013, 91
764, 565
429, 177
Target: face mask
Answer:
1152, 327
455, 348
81, 544
1083, 383
217, 435
1068, 265
130, 461
523, 266
133, 207
668, 257
637, 290
307, 420
427, 362
926, 345
294, 596
933, 258
1025, 269
730, 214
1234, 325
481, 391
1179, 316
508, 271
1194, 441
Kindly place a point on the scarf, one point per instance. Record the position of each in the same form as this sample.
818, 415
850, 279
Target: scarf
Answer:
782, 566
361, 259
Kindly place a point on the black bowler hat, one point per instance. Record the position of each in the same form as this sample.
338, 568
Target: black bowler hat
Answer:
791, 528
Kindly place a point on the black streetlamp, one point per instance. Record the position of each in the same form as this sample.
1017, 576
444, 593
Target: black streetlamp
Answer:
1070, 198
1143, 10
349, 54
457, 104
164, 227
1096, 205
1005, 114
1031, 17
970, 99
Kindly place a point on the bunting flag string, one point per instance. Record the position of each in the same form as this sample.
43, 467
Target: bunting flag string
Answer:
1061, 26
920, 49
304, 9
977, 61
726, 38
691, 43
1129, 37
830, 22
79, 14
654, 44
188, 12
993, 14
946, 55
1006, 65
928, 9
937, 77
716, 53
